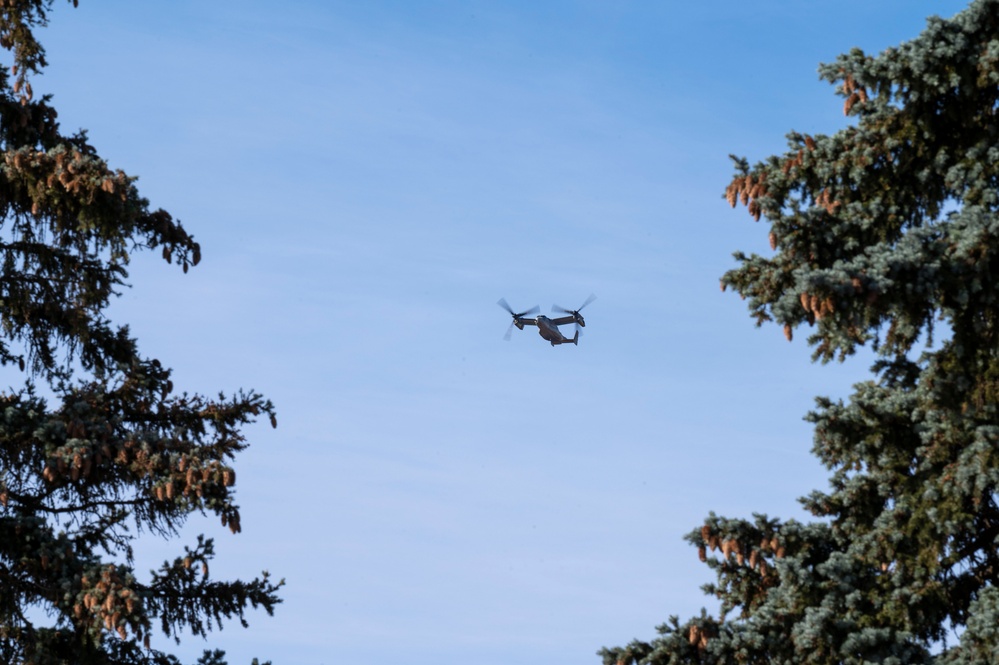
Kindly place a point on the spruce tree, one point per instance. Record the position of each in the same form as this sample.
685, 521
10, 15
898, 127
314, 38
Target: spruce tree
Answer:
885, 235
96, 446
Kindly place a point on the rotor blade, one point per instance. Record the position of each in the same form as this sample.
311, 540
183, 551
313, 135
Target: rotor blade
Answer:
509, 331
533, 310
556, 308
505, 305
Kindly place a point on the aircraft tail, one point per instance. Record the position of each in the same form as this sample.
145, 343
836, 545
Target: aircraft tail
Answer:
575, 338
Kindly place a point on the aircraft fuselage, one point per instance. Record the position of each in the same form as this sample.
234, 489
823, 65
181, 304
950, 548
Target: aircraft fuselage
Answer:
549, 331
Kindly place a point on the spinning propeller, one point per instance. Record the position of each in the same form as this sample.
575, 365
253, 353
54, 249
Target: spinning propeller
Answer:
516, 317
575, 312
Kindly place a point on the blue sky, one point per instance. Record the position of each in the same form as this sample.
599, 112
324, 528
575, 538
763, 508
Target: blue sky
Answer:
366, 180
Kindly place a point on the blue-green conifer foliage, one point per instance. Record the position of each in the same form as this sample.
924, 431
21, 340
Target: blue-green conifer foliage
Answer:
885, 235
96, 447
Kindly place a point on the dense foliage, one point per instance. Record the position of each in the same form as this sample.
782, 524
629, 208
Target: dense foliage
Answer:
95, 445
883, 234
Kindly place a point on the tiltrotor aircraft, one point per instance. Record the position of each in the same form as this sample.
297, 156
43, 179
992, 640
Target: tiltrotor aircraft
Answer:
547, 328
